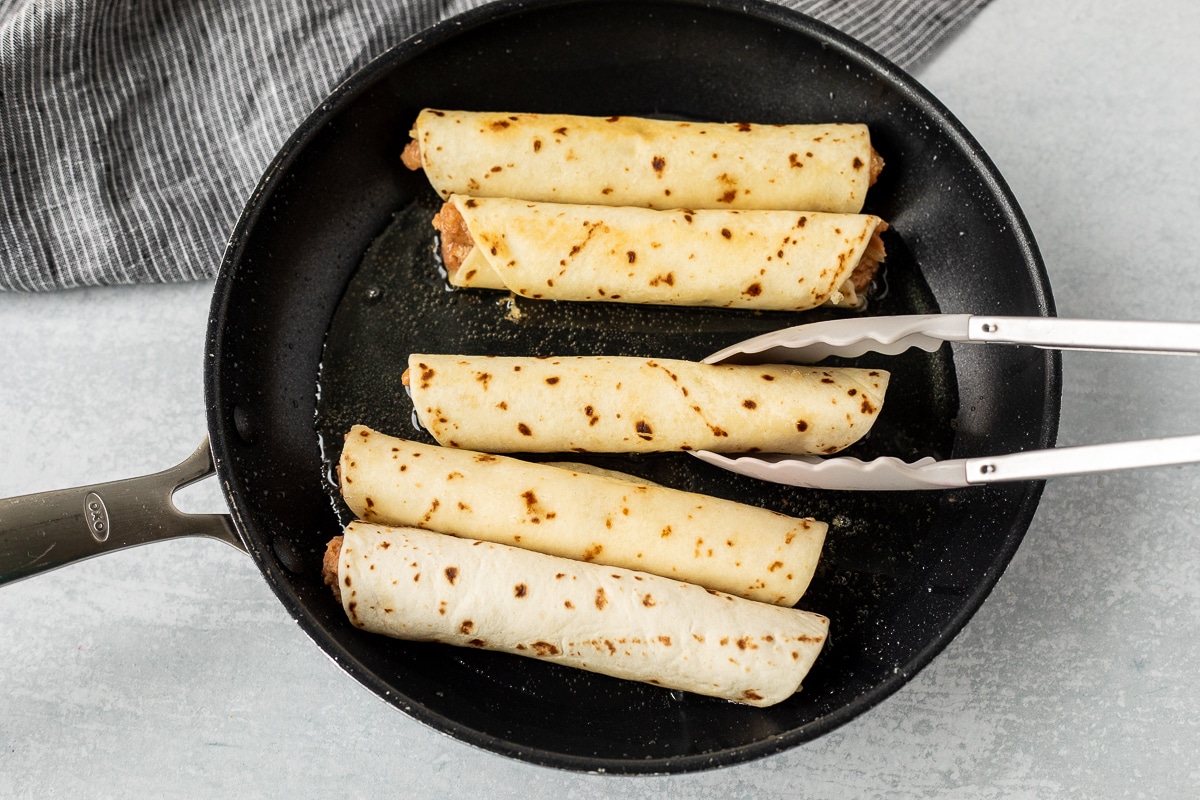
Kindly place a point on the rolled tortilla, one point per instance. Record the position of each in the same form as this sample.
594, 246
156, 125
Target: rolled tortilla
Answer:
623, 404
767, 260
629, 161
719, 544
412, 584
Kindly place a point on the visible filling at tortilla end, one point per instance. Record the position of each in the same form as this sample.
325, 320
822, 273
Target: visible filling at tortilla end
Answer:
411, 156
329, 566
868, 265
457, 243
876, 164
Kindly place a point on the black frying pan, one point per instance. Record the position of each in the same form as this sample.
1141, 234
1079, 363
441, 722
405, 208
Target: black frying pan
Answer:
330, 280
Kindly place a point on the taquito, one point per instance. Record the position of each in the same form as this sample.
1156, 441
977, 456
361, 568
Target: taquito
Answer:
718, 544
413, 584
624, 404
753, 259
630, 161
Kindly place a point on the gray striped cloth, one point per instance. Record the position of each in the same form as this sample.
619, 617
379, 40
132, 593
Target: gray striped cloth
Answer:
133, 131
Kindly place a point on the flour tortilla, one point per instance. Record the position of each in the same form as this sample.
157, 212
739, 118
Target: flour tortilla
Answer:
718, 544
413, 584
629, 161
754, 259
623, 404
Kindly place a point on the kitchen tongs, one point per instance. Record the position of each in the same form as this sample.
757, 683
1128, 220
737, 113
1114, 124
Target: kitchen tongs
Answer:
809, 344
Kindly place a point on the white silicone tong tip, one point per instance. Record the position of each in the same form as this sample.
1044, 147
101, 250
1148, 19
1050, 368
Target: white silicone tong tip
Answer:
813, 472
809, 344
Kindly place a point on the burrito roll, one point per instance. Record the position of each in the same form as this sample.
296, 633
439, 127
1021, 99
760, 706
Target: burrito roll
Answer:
719, 544
768, 260
412, 584
629, 161
624, 404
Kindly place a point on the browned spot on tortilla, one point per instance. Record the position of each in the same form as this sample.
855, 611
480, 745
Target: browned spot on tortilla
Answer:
857, 163
748, 403
466, 627
665, 532
726, 233
774, 566
800, 223
477, 643
537, 145
552, 380
451, 574
499, 124
524, 429
728, 197
483, 377
668, 279
631, 256
648, 601
561, 131
744, 127
442, 608
801, 425
593, 551
659, 163
520, 590
601, 599
665, 640
866, 407
753, 290
611, 119
644, 431
750, 694
545, 649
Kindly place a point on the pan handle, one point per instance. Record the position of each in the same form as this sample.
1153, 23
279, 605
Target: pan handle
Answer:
40, 532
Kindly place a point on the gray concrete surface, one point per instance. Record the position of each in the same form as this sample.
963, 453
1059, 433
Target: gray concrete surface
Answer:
172, 671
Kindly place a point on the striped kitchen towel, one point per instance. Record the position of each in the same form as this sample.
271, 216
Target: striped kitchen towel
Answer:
107, 177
